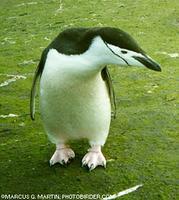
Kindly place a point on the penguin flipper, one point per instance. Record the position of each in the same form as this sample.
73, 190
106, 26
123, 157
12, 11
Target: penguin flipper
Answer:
37, 76
33, 92
107, 78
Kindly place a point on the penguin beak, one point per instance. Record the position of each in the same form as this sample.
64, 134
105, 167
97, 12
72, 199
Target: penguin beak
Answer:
148, 62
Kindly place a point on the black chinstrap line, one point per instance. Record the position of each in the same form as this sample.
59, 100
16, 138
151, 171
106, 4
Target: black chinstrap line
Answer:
116, 54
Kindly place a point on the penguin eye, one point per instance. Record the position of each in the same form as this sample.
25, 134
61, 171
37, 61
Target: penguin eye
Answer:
124, 52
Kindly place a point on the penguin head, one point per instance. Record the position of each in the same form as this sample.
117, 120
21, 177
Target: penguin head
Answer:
128, 57
105, 45
125, 49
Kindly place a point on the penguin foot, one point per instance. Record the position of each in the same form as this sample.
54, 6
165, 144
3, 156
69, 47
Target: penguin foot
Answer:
94, 158
62, 156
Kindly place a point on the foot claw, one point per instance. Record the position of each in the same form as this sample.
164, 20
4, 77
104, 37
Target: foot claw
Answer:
50, 163
91, 167
63, 162
83, 164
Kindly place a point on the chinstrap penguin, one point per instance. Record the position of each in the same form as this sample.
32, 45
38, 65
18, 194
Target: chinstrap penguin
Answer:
76, 92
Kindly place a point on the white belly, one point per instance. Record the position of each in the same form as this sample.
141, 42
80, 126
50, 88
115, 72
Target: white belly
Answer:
74, 106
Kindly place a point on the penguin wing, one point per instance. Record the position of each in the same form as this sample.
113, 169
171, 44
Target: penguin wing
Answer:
37, 76
107, 78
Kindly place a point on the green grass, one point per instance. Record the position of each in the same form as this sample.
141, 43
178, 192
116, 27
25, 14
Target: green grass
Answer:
143, 144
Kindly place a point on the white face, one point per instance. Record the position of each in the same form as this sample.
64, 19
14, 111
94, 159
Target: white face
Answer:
110, 54
125, 56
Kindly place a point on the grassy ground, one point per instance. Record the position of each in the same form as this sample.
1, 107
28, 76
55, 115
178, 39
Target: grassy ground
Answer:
143, 145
